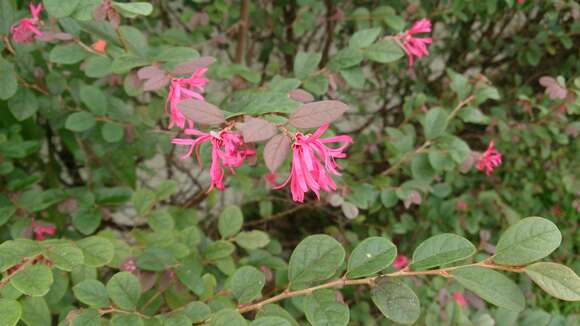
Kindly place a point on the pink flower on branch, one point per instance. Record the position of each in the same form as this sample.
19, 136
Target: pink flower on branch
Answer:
184, 89
458, 297
313, 161
228, 150
41, 230
26, 29
489, 160
415, 46
401, 262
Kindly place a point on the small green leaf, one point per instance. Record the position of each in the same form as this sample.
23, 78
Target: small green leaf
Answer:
98, 66
219, 249
252, 239
441, 249
156, 259
270, 321
94, 99
528, 240
166, 189
23, 104
97, 251
160, 221
197, 311
10, 312
384, 52
177, 320
64, 256
7, 78
112, 132
6, 213
228, 317
322, 309
558, 280
491, 286
12, 252
435, 123
124, 290
396, 301
346, 58
133, 9
126, 320
306, 63
143, 200
459, 84
189, 273
87, 219
315, 259
389, 197
274, 310
124, 63
230, 221
67, 54
371, 256
6, 20
92, 293
80, 121
33, 280
246, 284
364, 38
60, 8
35, 312
317, 84
89, 317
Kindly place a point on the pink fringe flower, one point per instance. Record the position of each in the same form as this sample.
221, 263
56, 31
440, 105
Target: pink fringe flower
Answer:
458, 297
41, 230
184, 89
228, 150
489, 160
416, 46
26, 29
401, 262
312, 161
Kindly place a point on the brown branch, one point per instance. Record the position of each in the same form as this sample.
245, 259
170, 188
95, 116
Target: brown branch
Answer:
329, 32
244, 24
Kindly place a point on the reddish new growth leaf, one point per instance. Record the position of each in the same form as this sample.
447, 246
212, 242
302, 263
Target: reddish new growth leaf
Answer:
201, 112
301, 95
192, 66
316, 114
154, 78
554, 89
276, 151
256, 130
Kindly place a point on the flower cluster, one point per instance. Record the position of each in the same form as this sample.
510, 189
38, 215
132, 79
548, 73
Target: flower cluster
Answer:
489, 160
26, 29
184, 89
41, 230
415, 46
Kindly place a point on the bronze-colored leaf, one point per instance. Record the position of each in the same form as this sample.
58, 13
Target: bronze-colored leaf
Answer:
301, 95
276, 151
256, 129
201, 112
315, 114
191, 66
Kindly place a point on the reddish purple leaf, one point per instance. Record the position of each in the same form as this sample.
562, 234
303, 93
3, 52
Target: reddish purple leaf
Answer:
301, 95
315, 114
149, 72
202, 112
156, 83
256, 129
276, 151
554, 89
191, 66
54, 36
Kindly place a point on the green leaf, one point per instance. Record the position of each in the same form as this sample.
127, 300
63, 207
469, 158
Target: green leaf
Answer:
126, 320
230, 221
189, 273
10, 312
7, 77
247, 283
133, 9
270, 321
197, 311
60, 8
177, 320
89, 317
12, 252
87, 219
67, 54
98, 66
528, 240
354, 77
389, 197
124, 290
33, 280
491, 286
346, 58
160, 221
6, 20
143, 200
421, 168
371, 256
92, 293
252, 239
322, 309
273, 310
558, 280
64, 256
156, 259
97, 251
441, 249
396, 301
384, 52
228, 317
80, 121
35, 312
112, 132
94, 99
166, 189
317, 84
435, 123
6, 213
219, 249
315, 259
23, 104
459, 84
364, 38
305, 63
124, 63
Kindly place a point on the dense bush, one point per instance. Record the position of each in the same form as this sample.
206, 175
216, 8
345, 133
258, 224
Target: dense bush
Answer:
289, 162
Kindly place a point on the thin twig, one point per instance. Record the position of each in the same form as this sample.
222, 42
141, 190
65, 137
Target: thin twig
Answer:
244, 24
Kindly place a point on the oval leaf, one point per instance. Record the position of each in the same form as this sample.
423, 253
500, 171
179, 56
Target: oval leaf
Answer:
315, 259
256, 129
396, 301
202, 112
270, 321
528, 240
322, 309
315, 114
64, 256
440, 250
558, 280
33, 280
97, 251
92, 293
192, 66
124, 289
371, 256
491, 286
246, 284
10, 312
301, 95
276, 151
